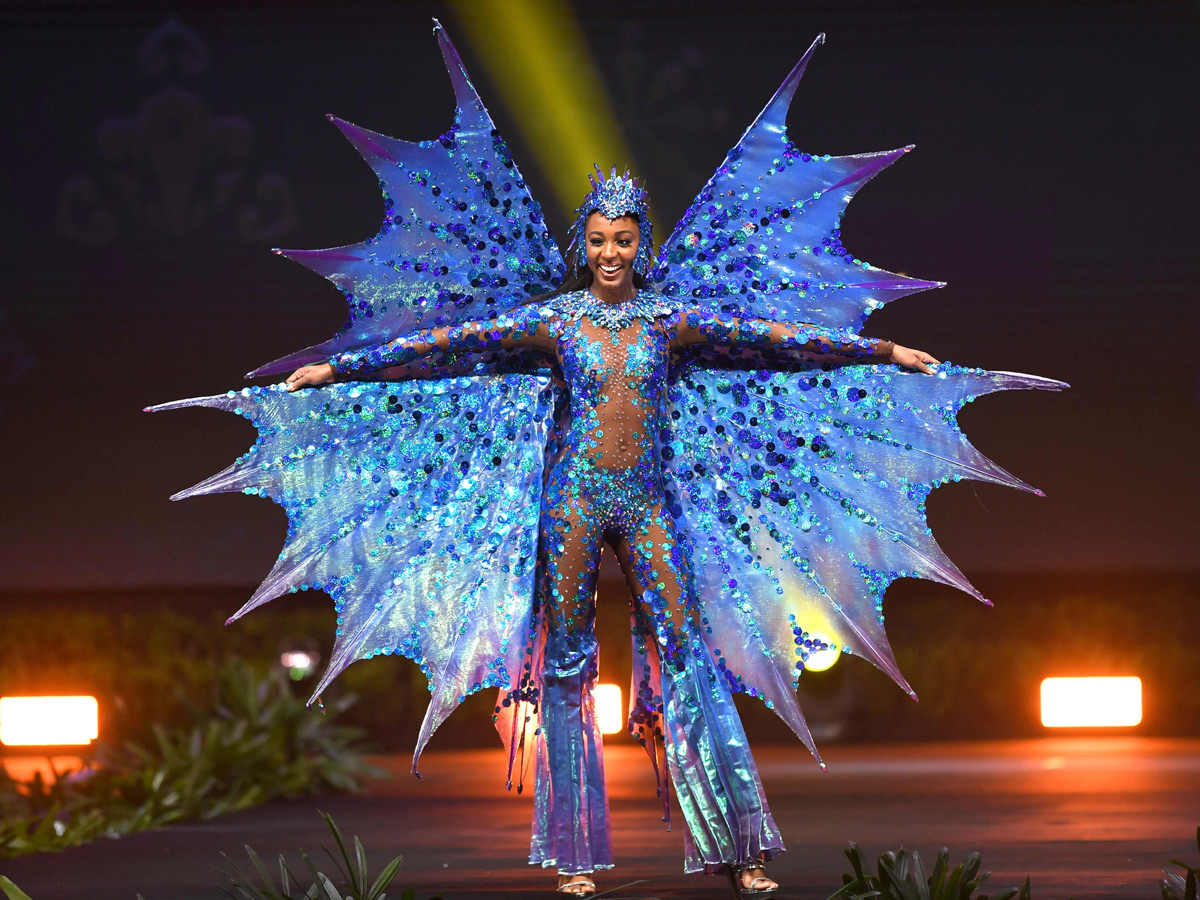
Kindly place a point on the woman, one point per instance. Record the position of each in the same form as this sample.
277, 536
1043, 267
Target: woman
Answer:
613, 345
759, 493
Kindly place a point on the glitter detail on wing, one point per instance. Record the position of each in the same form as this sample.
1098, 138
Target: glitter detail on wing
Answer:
409, 504
803, 493
461, 235
763, 238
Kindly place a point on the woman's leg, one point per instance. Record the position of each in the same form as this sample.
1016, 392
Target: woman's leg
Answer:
571, 820
716, 781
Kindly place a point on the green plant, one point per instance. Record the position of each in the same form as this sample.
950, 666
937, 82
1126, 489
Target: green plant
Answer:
901, 876
11, 891
256, 742
1181, 886
353, 873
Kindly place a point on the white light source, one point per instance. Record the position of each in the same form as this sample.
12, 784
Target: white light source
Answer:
299, 658
610, 713
1091, 702
821, 660
48, 721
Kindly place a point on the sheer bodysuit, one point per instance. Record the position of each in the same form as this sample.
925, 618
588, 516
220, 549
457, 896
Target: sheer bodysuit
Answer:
605, 487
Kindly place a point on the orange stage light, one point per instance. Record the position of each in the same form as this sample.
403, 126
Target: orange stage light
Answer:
1091, 702
48, 721
610, 712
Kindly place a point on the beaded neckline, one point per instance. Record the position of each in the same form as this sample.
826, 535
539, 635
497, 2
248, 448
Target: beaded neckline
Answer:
613, 316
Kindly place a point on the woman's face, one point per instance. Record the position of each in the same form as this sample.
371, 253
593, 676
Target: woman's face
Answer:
611, 246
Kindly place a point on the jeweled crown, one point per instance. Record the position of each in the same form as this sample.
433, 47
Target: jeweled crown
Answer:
613, 197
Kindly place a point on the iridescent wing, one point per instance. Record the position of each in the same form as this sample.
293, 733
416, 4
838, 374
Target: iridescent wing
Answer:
409, 504
763, 238
461, 238
802, 494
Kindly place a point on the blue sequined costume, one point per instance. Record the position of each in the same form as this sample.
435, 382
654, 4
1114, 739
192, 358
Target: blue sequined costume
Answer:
453, 490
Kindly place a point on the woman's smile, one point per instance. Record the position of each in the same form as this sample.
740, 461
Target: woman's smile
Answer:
612, 245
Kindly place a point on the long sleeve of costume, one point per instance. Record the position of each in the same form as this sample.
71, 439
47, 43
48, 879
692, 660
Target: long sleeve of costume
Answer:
526, 326
805, 341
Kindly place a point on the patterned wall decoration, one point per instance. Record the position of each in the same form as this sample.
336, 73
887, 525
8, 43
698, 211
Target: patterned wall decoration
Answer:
176, 168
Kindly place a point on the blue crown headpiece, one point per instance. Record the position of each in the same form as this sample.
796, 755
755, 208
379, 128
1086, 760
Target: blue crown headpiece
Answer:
613, 197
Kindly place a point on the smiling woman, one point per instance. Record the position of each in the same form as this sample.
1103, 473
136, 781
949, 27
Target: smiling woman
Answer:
612, 246
757, 467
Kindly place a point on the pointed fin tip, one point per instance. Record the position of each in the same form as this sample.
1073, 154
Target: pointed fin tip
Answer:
873, 165
777, 107
364, 140
464, 90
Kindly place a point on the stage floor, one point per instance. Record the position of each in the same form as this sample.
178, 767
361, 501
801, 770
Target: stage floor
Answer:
1090, 817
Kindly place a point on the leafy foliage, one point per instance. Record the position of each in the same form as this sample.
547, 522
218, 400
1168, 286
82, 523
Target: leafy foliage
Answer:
901, 876
174, 643
352, 871
257, 742
11, 891
1182, 886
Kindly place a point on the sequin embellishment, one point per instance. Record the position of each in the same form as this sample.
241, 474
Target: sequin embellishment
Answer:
613, 316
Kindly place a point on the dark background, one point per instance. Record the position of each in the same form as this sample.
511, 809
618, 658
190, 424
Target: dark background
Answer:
152, 153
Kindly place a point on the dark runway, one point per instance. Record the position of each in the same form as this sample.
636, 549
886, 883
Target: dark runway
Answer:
1085, 817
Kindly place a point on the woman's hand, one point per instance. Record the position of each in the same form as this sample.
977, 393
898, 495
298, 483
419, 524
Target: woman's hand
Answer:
306, 376
910, 359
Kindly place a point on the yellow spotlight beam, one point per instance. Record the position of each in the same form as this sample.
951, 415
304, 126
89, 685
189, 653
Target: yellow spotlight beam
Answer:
535, 54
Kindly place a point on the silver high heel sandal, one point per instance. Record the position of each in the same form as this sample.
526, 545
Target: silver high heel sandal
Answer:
577, 881
739, 891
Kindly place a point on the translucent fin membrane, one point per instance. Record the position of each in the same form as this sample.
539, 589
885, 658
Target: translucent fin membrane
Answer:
408, 503
803, 496
764, 235
461, 237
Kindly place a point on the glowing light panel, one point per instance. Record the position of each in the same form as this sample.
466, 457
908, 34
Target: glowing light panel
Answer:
610, 712
823, 659
1091, 702
48, 721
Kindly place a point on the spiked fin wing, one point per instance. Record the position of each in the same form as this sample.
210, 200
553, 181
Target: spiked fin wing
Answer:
763, 237
461, 235
803, 495
407, 502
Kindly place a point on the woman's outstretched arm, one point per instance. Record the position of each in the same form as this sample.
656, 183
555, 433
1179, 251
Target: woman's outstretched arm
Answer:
526, 326
822, 345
